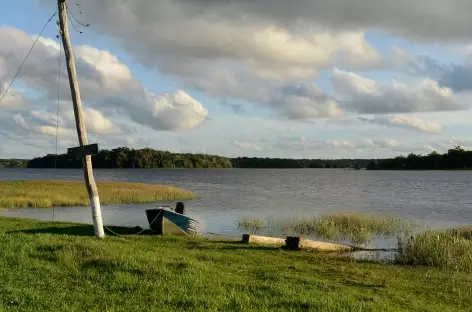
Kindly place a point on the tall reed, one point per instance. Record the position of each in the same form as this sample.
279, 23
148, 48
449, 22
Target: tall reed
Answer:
49, 193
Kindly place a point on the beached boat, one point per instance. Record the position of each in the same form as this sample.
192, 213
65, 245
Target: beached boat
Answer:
165, 221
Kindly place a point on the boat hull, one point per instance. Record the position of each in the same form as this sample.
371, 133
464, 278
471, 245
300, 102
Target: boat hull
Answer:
165, 222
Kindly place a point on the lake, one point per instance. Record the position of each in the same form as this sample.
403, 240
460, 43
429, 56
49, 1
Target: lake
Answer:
442, 198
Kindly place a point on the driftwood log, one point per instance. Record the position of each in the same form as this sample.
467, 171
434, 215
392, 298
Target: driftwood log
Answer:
294, 243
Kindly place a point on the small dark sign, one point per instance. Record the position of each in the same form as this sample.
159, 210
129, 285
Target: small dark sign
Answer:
91, 149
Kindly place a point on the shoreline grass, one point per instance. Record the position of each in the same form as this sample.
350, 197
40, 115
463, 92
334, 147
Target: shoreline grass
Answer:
451, 249
52, 193
357, 228
52, 266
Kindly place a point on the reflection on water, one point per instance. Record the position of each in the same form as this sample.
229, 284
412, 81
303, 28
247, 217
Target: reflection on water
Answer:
441, 198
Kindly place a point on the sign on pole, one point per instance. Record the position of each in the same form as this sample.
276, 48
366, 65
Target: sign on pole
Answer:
90, 149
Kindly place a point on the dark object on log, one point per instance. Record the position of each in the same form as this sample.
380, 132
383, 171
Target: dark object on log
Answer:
179, 208
246, 238
292, 242
163, 221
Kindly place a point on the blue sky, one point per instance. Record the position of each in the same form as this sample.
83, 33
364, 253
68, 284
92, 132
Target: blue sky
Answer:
171, 75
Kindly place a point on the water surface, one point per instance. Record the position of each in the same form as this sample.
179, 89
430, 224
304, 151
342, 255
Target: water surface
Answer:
441, 198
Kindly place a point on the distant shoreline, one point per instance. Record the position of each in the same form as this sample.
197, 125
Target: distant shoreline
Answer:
456, 159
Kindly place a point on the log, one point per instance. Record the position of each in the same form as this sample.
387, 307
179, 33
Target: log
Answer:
307, 244
295, 243
263, 240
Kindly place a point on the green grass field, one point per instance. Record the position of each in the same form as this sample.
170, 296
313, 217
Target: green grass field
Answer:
48, 193
47, 266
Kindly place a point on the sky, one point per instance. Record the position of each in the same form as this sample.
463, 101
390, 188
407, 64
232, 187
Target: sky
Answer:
257, 78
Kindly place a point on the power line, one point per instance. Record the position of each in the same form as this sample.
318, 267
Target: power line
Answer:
72, 23
27, 55
72, 14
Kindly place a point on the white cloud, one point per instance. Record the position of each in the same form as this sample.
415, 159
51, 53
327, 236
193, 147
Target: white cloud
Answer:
177, 111
247, 146
13, 99
364, 95
95, 122
304, 144
247, 57
407, 122
423, 19
268, 49
105, 83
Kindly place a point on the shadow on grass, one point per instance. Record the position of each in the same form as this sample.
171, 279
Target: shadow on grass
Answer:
85, 230
238, 245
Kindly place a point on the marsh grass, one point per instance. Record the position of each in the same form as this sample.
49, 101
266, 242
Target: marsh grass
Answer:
356, 228
251, 225
451, 249
50, 193
54, 266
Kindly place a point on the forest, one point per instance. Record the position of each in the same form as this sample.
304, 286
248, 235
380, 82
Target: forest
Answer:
455, 159
123, 157
13, 163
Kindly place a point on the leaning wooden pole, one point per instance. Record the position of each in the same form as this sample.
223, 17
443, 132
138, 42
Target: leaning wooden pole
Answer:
79, 121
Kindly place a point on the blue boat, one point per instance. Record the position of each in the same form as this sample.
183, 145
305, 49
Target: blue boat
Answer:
164, 221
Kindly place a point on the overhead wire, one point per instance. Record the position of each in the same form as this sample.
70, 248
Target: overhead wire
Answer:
27, 55
72, 23
73, 16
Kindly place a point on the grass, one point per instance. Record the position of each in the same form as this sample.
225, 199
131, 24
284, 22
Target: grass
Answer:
49, 266
450, 249
49, 193
251, 225
356, 228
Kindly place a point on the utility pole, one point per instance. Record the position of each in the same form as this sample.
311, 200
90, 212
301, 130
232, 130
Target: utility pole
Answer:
79, 121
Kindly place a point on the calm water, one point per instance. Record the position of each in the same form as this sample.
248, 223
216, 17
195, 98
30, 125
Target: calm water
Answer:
442, 198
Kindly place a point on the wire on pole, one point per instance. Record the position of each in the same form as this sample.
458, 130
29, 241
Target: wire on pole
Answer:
27, 55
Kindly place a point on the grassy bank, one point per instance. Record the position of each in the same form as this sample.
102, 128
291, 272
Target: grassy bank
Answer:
48, 193
44, 267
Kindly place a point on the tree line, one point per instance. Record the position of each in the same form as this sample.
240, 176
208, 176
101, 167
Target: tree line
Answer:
455, 159
123, 157
245, 162
13, 163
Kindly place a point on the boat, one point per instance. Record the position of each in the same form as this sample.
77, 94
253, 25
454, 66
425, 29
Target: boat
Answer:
165, 221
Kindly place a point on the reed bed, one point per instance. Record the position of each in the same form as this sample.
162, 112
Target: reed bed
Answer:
450, 249
357, 228
251, 225
50, 193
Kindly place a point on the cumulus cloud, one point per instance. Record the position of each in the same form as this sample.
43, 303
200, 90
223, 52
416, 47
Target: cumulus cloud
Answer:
177, 111
104, 82
423, 19
44, 123
364, 95
407, 122
457, 77
304, 144
267, 48
13, 99
241, 57
247, 146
